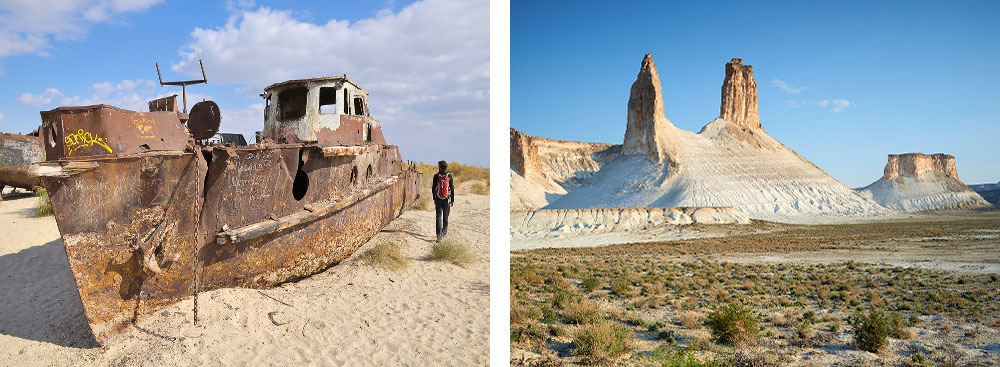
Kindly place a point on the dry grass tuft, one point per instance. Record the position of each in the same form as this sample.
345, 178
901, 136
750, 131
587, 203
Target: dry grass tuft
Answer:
582, 312
447, 249
603, 342
690, 320
385, 254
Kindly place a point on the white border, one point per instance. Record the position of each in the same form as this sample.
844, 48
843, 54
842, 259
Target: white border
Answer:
499, 182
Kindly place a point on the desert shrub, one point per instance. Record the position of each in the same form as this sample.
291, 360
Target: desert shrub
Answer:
603, 342
581, 313
384, 254
733, 324
529, 334
44, 208
447, 249
480, 188
690, 320
621, 287
896, 327
871, 331
518, 313
668, 357
590, 284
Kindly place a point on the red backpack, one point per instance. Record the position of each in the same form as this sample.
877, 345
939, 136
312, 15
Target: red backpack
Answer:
443, 186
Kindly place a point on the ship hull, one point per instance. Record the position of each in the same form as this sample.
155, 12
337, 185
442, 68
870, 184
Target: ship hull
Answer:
148, 230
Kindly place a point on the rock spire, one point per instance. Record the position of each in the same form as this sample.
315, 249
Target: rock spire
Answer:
646, 121
739, 96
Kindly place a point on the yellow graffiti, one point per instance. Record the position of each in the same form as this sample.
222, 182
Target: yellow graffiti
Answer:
144, 127
84, 139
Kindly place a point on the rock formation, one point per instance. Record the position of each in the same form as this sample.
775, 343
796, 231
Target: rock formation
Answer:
739, 96
917, 164
646, 131
917, 182
523, 154
731, 162
544, 169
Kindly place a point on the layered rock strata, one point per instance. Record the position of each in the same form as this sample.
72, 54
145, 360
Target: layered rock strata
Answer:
919, 182
645, 132
544, 169
917, 164
731, 162
739, 96
531, 224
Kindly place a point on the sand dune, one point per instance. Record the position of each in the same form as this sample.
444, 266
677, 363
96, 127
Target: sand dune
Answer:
429, 314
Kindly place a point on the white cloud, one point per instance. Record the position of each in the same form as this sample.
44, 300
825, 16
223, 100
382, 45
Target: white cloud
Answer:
787, 88
44, 98
835, 105
28, 27
2, 119
426, 66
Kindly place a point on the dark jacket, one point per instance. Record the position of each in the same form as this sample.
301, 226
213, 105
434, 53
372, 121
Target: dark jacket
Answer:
451, 188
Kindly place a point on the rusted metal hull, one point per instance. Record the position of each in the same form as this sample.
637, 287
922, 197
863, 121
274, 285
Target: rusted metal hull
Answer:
17, 153
147, 228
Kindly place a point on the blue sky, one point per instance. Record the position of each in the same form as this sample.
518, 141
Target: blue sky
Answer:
425, 63
896, 77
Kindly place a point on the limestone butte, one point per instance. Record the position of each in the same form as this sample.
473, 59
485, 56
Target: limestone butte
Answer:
918, 182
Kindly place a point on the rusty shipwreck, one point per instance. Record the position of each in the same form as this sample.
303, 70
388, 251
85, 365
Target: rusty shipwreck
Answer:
154, 207
17, 154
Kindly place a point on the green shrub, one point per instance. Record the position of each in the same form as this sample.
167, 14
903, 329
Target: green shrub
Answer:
591, 284
603, 342
44, 208
447, 249
871, 331
385, 254
733, 325
621, 287
666, 357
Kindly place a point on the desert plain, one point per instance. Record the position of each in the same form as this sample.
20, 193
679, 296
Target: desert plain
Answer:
426, 313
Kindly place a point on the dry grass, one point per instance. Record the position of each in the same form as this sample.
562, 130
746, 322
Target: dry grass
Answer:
480, 188
690, 320
386, 255
44, 208
448, 249
603, 343
582, 312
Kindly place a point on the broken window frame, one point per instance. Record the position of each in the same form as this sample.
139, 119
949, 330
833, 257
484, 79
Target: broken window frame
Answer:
334, 99
281, 114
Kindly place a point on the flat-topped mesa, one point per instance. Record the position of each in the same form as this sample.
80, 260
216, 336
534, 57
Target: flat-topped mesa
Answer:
739, 96
645, 114
917, 164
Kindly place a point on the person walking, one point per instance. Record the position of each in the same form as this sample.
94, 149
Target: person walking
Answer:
443, 187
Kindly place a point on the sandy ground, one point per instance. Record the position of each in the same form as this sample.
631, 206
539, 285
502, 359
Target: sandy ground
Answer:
428, 314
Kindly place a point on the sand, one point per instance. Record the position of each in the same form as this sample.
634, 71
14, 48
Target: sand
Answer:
428, 314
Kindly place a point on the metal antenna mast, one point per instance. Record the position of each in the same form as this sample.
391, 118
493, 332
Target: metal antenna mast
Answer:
183, 84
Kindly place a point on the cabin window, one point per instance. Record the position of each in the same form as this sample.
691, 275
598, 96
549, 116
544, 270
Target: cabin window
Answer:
359, 106
328, 100
292, 103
